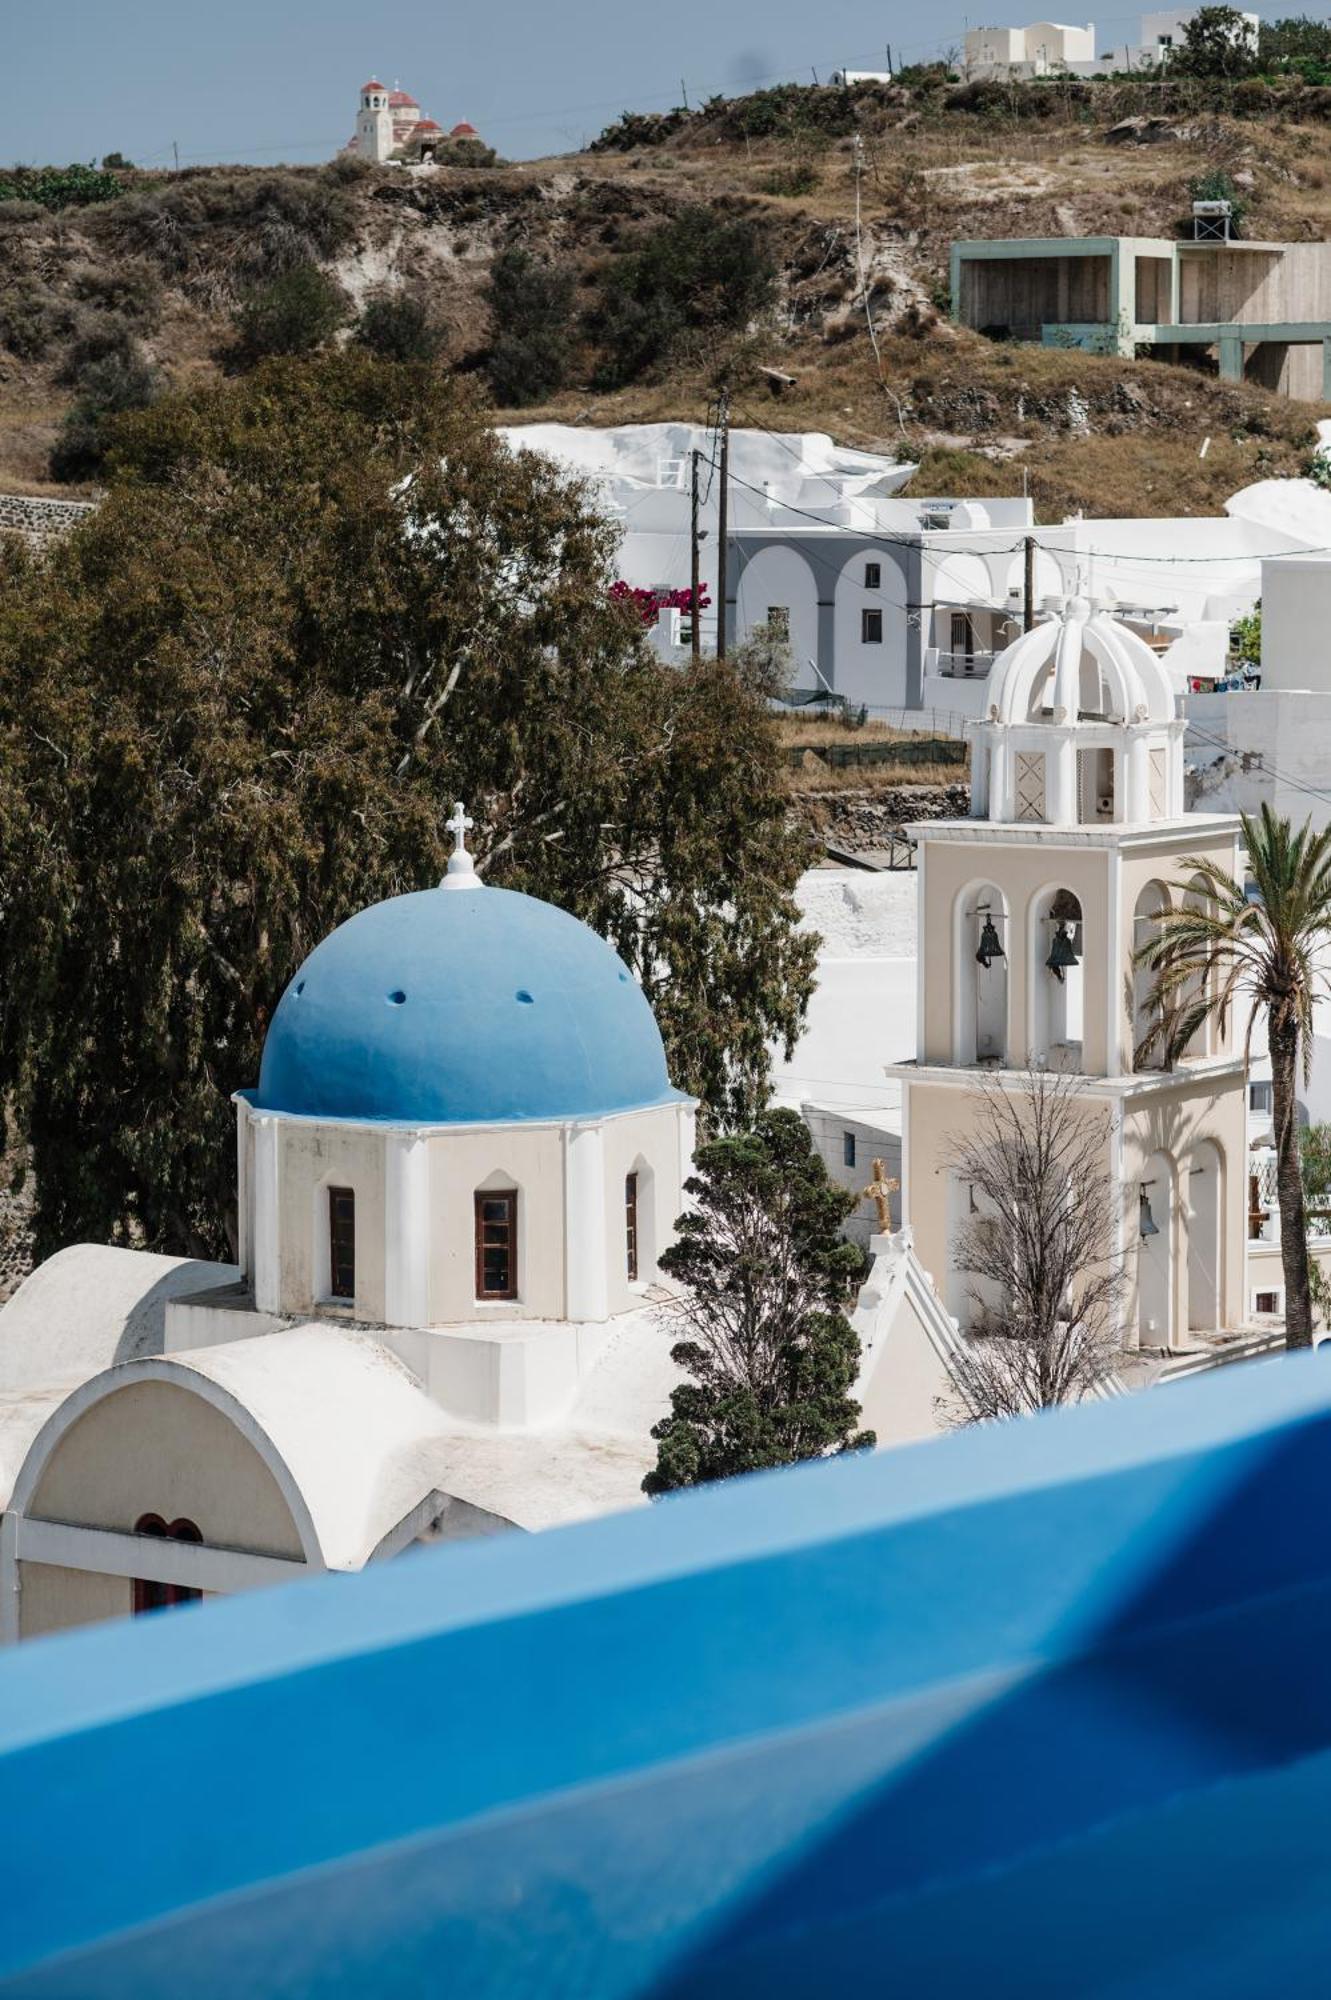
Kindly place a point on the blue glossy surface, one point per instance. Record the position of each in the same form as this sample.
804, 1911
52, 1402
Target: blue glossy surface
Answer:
1039, 1711
462, 1006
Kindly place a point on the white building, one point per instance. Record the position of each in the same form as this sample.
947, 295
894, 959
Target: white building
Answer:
1272, 744
460, 1164
1049, 48
1162, 33
1044, 48
390, 126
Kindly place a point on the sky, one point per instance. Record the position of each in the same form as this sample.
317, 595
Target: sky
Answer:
277, 80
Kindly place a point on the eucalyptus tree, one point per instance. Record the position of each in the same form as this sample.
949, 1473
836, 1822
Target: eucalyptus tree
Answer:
1256, 946
317, 605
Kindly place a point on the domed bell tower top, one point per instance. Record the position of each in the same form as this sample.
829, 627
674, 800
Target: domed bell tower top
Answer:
1081, 727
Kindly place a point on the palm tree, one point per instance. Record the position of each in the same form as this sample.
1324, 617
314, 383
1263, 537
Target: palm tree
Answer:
1258, 945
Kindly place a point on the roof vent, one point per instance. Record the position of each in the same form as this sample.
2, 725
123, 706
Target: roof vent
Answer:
1212, 221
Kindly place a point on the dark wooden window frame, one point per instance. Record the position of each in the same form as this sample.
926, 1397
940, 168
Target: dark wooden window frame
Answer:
341, 1257
871, 628
873, 576
146, 1593
508, 1197
631, 1226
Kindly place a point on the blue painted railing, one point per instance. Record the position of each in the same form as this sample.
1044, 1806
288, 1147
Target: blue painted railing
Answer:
1040, 1710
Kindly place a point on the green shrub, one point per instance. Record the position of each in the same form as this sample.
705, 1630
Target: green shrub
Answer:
31, 321
704, 271
59, 187
127, 286
399, 326
296, 314
121, 379
800, 177
347, 170
531, 319
116, 163
240, 230
640, 128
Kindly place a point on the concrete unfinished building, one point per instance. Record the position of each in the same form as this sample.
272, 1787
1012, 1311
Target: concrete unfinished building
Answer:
1262, 309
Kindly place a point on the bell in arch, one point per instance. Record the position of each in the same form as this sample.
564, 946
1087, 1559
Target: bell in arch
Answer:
991, 945
1062, 953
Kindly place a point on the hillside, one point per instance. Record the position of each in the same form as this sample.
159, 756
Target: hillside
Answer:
163, 265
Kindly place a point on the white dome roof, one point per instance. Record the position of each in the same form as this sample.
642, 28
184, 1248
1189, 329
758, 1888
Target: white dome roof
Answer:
1079, 664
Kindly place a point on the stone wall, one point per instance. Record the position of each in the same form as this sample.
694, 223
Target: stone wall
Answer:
860, 821
40, 521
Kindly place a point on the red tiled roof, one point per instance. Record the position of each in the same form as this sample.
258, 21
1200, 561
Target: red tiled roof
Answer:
427, 125
373, 84
400, 97
464, 131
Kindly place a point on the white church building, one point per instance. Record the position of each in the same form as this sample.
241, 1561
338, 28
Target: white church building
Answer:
456, 1174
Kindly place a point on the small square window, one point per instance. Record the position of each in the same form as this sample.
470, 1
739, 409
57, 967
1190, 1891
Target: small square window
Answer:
873, 576
871, 628
1267, 1302
847, 1149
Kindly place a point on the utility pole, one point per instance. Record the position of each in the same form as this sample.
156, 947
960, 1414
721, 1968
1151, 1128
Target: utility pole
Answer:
695, 566
175, 149
722, 522
1029, 607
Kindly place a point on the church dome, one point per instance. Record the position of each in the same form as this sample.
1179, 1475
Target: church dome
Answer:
1079, 665
444, 1007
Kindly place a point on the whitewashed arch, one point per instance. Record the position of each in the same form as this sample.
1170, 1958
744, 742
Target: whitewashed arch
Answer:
1055, 1010
159, 1369
981, 1001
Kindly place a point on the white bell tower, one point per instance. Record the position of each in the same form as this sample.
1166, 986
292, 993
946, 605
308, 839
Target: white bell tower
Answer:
374, 123
1032, 913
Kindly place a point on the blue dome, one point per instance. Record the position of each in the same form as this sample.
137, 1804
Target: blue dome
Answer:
474, 1007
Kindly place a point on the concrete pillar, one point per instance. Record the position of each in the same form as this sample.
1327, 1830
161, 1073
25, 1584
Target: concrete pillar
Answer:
827, 642
406, 1229
267, 1254
979, 778
1060, 781
1137, 785
585, 1250
1231, 357
244, 1247
1002, 806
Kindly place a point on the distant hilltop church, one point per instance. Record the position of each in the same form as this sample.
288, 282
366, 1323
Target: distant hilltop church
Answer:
390, 125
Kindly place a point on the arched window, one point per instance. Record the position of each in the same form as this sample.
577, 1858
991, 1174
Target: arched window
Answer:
148, 1594
497, 1243
1057, 983
1204, 1039
341, 1243
981, 945
631, 1226
1151, 906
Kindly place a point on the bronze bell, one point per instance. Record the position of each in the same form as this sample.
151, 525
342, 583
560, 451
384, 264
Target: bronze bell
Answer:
991, 945
1062, 953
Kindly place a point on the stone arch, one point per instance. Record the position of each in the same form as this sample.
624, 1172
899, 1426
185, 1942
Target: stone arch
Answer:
1056, 1004
981, 996
1157, 1225
1206, 1236
1204, 1042
1152, 903
780, 574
